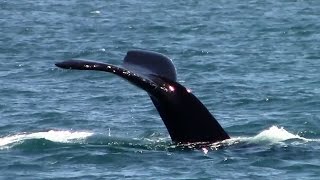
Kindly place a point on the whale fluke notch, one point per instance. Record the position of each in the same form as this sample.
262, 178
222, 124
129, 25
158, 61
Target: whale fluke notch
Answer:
185, 117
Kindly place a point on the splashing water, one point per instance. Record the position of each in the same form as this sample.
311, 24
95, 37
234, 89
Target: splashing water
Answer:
275, 134
272, 135
55, 136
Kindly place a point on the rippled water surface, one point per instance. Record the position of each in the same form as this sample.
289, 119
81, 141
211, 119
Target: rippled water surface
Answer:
254, 64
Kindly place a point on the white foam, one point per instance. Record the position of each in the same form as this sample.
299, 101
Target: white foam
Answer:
95, 12
276, 134
272, 135
52, 135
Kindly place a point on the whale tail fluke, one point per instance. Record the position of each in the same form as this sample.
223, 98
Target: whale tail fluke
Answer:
185, 117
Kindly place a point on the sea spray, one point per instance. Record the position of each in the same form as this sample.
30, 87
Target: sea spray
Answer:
52, 135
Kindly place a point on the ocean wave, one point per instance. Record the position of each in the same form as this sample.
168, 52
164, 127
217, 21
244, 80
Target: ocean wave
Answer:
51, 135
273, 135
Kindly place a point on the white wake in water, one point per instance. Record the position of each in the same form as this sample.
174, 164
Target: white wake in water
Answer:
52, 135
276, 134
272, 135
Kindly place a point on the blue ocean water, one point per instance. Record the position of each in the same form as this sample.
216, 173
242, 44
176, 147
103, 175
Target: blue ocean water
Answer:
254, 64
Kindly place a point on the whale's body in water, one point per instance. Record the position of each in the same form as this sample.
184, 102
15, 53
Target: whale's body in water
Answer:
185, 117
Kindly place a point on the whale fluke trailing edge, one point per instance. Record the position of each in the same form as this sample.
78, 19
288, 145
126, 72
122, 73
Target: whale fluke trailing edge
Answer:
185, 117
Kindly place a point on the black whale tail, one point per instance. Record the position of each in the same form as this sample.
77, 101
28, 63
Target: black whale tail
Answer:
185, 117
